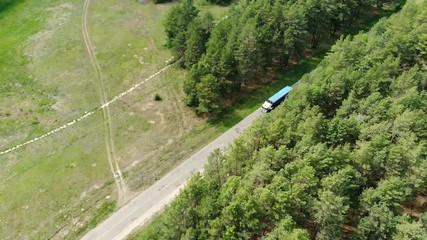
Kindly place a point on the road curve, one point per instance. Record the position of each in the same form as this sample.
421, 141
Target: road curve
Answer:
144, 206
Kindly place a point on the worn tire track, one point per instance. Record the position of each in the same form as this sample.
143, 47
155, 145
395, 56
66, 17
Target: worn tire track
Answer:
108, 133
180, 112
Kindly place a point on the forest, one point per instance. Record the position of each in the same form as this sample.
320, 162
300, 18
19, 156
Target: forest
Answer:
344, 157
254, 38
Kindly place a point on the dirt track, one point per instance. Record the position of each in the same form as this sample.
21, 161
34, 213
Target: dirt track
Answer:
108, 135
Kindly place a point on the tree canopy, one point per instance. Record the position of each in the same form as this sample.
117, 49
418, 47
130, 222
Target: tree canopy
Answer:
343, 157
254, 36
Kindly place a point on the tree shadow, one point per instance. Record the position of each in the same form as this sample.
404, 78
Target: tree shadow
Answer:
6, 4
249, 100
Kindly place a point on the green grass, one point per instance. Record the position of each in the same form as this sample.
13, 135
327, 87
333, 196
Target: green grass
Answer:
55, 187
38, 188
218, 12
104, 210
15, 83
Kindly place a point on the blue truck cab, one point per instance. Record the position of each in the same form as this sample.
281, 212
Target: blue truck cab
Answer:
275, 100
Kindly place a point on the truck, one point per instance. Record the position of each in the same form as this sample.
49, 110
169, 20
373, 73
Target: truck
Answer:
275, 100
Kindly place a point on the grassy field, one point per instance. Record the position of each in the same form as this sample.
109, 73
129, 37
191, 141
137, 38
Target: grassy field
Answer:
61, 186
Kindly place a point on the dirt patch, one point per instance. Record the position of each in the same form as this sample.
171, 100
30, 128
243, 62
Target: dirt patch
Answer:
60, 105
416, 207
162, 117
147, 106
90, 190
139, 58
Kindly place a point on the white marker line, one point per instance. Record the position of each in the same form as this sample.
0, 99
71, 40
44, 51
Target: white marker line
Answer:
69, 124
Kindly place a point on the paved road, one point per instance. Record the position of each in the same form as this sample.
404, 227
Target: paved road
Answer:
144, 206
